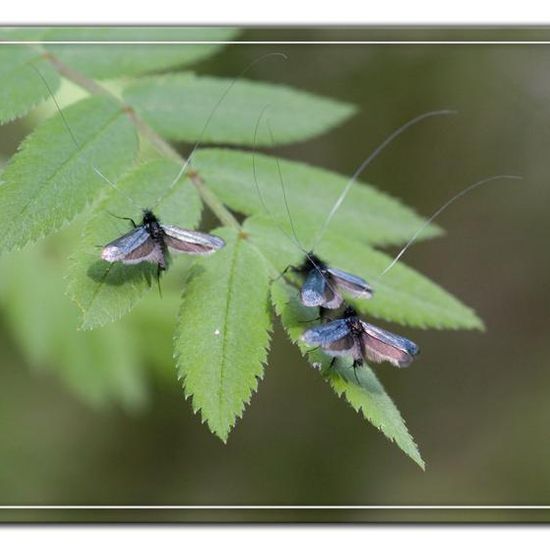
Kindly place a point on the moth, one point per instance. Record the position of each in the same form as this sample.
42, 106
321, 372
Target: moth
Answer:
352, 337
151, 242
323, 284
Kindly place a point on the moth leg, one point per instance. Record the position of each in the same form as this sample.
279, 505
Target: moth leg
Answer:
160, 269
318, 318
292, 268
312, 350
309, 321
325, 371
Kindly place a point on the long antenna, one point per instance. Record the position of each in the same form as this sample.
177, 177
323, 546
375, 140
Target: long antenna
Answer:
369, 159
73, 137
281, 183
212, 113
295, 240
294, 237
439, 211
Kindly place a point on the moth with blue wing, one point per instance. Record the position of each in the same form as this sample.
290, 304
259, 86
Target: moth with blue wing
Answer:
151, 241
352, 337
323, 284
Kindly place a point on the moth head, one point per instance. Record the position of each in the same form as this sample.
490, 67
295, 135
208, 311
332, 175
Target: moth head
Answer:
312, 262
149, 217
350, 312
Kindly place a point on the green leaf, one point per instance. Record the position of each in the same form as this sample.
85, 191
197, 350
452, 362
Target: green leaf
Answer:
366, 214
101, 367
106, 291
50, 180
22, 88
223, 332
402, 295
178, 106
359, 387
112, 60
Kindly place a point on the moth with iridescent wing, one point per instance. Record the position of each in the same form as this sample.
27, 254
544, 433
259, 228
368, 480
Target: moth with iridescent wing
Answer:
151, 242
352, 337
323, 284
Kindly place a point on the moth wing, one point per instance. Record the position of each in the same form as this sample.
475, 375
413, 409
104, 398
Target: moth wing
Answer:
381, 345
191, 242
317, 291
132, 248
313, 289
324, 335
333, 299
346, 346
150, 251
356, 286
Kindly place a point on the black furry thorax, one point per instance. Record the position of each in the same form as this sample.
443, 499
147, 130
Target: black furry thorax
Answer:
152, 225
312, 261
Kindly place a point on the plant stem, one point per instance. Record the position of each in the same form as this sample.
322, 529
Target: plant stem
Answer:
91, 86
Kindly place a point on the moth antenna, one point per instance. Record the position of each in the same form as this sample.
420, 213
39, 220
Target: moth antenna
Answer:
287, 207
283, 189
254, 170
396, 133
213, 112
293, 239
439, 211
73, 137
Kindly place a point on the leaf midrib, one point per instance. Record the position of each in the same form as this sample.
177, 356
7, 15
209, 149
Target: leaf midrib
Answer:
230, 277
